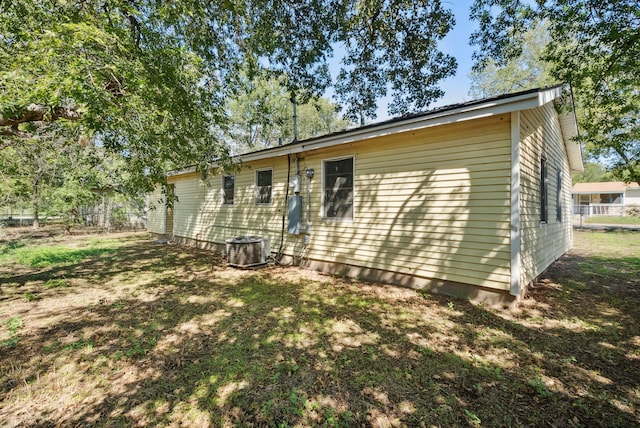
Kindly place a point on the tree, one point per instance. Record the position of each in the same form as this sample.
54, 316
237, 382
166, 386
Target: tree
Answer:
50, 171
593, 173
594, 46
95, 64
526, 71
391, 44
149, 80
261, 112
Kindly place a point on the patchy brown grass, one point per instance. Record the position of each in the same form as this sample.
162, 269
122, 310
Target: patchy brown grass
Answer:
119, 331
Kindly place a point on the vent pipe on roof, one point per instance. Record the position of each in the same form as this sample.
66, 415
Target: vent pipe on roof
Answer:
295, 118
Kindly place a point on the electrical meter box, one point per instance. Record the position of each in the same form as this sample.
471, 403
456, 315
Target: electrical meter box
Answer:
294, 183
295, 215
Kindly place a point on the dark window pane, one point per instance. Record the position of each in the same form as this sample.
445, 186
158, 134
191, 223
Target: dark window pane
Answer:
559, 196
338, 189
264, 178
543, 190
228, 183
263, 186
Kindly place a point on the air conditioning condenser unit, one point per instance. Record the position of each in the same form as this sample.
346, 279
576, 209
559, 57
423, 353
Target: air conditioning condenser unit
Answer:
247, 251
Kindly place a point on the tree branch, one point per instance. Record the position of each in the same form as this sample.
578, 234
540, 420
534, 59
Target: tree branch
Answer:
4, 144
13, 131
630, 165
38, 112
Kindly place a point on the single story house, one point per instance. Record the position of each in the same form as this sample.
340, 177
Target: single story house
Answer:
470, 200
605, 198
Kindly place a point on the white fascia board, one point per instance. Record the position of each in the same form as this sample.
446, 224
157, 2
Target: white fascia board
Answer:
569, 129
189, 170
463, 113
547, 95
446, 116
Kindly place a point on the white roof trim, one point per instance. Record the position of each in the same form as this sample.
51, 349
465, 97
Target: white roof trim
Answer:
460, 114
189, 170
490, 107
574, 150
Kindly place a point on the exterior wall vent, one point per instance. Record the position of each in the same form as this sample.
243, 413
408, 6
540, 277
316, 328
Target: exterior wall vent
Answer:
247, 251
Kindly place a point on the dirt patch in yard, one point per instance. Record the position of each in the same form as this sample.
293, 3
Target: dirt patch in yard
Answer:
114, 330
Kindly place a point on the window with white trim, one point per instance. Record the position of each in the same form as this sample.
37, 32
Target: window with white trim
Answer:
228, 189
338, 188
544, 203
264, 182
559, 196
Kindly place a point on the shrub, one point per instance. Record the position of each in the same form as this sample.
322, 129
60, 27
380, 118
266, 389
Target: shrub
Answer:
633, 211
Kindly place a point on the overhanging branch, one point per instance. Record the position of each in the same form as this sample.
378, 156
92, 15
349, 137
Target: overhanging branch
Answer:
40, 113
13, 131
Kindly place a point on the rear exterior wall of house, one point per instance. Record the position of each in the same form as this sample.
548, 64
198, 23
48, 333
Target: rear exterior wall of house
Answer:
201, 214
431, 203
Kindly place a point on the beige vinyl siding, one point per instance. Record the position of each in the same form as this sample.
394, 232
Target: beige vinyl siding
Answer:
156, 213
189, 197
431, 197
632, 197
432, 203
201, 215
542, 243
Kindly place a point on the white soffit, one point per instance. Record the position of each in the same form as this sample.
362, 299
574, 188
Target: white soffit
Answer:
569, 132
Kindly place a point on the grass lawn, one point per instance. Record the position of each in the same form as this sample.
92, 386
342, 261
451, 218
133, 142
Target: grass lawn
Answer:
114, 330
613, 219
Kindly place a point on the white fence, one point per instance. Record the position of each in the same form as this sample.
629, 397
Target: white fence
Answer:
109, 215
599, 209
16, 216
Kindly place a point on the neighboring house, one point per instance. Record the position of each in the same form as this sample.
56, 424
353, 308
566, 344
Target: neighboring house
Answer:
471, 200
606, 198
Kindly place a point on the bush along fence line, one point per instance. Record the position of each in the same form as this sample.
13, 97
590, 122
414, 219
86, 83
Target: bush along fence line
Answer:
109, 215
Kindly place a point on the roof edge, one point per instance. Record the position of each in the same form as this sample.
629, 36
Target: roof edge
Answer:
450, 114
487, 107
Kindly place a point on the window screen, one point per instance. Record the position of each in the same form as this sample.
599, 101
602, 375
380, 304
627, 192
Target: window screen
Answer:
543, 190
263, 186
228, 186
338, 188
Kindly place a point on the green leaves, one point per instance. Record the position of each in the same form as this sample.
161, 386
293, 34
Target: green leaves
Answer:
594, 46
140, 91
392, 47
150, 81
261, 112
526, 71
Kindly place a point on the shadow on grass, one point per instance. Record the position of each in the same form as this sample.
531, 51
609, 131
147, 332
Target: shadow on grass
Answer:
188, 345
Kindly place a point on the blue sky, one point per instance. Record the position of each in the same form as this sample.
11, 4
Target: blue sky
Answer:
457, 44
